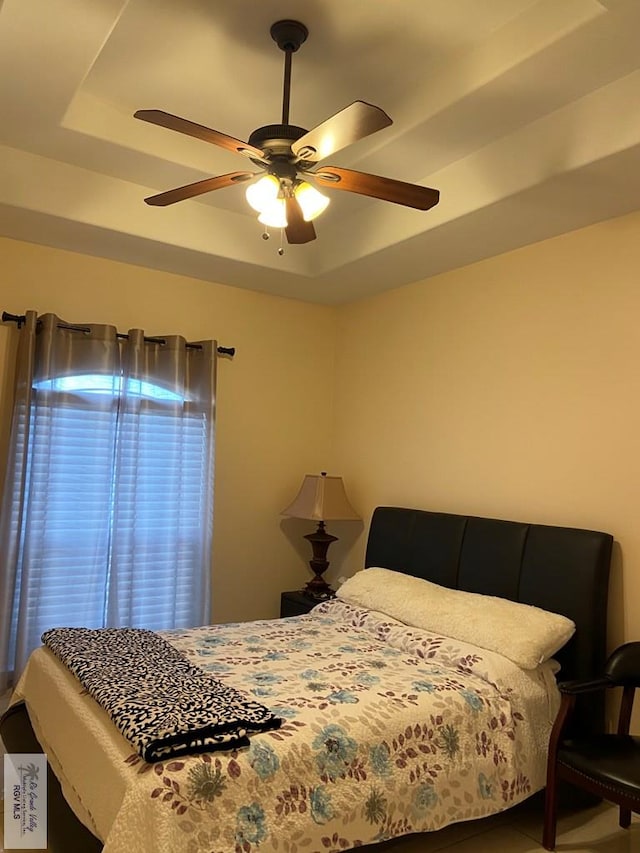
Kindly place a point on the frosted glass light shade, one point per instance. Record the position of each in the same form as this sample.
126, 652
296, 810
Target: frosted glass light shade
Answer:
311, 201
274, 214
263, 193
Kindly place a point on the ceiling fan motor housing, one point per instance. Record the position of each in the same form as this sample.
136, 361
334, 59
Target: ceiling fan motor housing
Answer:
275, 141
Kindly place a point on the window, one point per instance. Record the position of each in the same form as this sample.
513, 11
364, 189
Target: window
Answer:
111, 504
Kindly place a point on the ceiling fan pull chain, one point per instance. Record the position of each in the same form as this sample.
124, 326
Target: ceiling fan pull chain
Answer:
281, 247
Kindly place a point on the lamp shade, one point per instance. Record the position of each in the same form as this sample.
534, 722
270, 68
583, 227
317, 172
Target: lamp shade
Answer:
321, 498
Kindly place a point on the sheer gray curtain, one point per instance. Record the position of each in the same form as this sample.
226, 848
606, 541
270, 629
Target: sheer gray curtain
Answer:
108, 501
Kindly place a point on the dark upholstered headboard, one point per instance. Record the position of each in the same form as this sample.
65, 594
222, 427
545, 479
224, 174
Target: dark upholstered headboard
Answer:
562, 569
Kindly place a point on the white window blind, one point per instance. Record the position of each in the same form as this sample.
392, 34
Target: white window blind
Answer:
113, 531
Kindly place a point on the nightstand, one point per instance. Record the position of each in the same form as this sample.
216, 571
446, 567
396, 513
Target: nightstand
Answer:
296, 602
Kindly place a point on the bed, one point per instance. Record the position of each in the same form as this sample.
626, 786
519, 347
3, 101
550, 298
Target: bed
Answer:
388, 728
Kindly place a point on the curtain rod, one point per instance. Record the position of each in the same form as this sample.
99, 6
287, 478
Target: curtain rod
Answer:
20, 319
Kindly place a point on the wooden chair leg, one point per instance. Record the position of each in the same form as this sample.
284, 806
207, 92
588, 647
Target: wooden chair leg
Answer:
625, 818
550, 813
567, 704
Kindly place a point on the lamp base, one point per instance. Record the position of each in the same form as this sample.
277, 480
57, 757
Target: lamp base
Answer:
320, 541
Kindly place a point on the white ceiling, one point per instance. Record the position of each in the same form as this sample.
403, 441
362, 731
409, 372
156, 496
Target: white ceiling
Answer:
523, 113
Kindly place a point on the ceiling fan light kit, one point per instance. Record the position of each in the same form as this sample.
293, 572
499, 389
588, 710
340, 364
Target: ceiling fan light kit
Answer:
312, 202
267, 197
275, 214
285, 197
263, 192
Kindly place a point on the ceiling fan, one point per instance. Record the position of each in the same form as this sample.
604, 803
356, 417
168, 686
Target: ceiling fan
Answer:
284, 196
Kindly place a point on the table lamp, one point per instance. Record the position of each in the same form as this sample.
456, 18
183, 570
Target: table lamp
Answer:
321, 499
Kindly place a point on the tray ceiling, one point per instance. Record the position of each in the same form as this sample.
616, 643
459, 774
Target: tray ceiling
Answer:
523, 113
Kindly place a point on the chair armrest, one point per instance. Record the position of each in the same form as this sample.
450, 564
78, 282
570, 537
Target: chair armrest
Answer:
623, 665
573, 688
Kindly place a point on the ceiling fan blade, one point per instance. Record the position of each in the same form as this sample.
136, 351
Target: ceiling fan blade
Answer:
298, 230
387, 189
182, 125
349, 125
200, 187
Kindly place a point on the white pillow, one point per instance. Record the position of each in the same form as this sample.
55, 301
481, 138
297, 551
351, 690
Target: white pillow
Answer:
526, 635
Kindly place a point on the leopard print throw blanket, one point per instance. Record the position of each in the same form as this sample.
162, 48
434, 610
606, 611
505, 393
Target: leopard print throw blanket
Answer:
163, 705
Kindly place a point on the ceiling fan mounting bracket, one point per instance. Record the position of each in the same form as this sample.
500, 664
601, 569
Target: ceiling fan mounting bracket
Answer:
329, 177
289, 35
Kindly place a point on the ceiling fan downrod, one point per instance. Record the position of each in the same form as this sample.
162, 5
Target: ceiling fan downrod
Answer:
288, 35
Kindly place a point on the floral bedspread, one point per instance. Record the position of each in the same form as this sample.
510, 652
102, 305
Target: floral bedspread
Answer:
387, 730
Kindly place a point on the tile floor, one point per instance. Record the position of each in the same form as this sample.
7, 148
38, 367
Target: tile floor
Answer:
593, 830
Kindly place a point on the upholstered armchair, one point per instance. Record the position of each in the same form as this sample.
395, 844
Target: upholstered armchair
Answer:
605, 764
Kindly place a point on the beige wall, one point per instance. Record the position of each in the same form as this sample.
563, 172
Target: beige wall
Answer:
268, 432
509, 388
